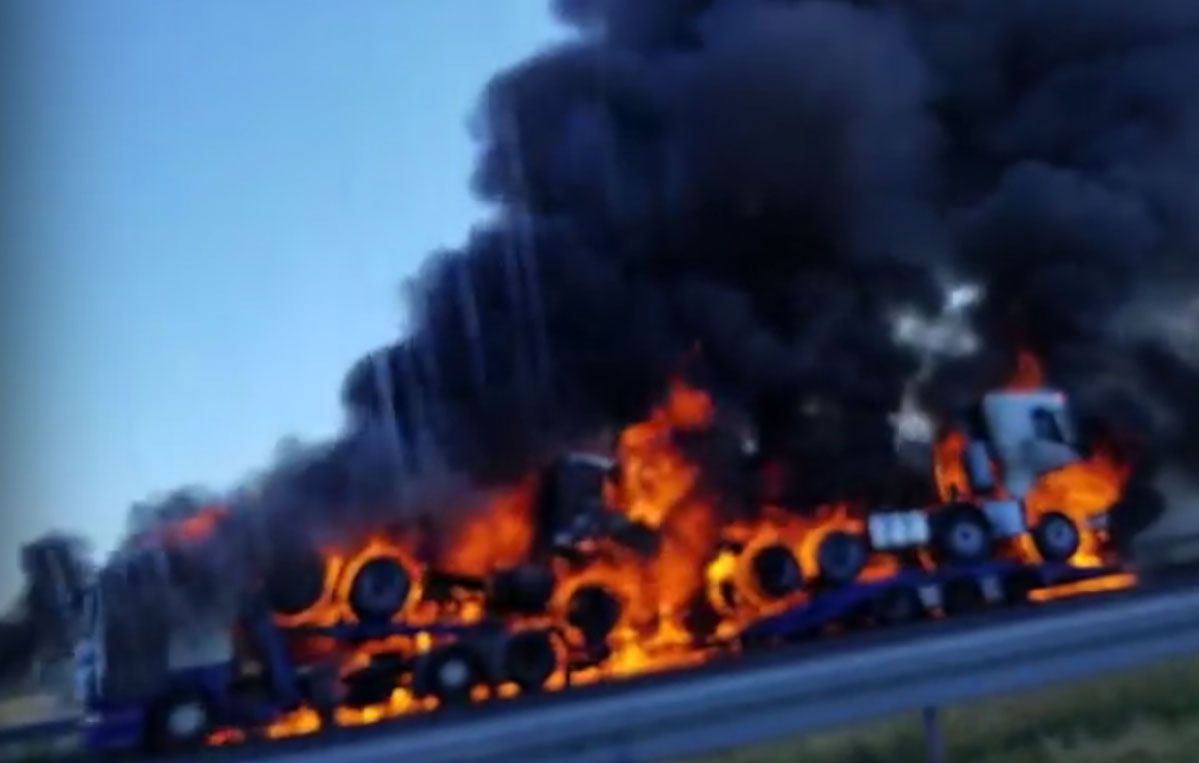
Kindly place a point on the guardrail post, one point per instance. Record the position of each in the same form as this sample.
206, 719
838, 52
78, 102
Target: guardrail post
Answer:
934, 743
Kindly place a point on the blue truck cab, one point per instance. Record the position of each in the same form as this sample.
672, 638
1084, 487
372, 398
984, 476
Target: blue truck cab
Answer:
146, 683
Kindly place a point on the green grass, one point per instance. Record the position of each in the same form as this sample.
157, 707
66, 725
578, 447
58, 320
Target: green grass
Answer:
1150, 716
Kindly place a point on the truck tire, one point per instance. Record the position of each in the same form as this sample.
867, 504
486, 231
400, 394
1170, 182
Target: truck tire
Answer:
530, 659
841, 557
776, 571
594, 611
523, 590
450, 673
963, 534
1056, 537
379, 590
180, 721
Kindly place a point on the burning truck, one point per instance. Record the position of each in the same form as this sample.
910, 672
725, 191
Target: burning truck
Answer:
759, 194
620, 565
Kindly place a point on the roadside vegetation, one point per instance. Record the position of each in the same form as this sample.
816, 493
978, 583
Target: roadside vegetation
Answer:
1150, 716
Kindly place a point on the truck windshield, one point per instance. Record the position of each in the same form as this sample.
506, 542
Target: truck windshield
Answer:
1046, 426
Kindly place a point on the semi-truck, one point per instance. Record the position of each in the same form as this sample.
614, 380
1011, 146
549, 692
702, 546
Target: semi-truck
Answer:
1013, 439
148, 683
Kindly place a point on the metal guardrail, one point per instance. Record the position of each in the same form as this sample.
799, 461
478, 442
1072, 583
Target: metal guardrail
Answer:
1173, 551
726, 709
51, 739
36, 731
711, 711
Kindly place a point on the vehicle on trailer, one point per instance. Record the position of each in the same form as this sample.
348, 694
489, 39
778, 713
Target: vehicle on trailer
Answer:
148, 683
1014, 439
912, 594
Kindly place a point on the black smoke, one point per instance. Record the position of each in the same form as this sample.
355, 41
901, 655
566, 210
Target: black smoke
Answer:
751, 191
736, 195
43, 623
755, 194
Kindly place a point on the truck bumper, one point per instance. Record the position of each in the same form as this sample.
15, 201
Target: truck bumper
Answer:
113, 728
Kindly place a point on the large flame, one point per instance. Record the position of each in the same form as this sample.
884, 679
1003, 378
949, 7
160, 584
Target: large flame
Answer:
499, 536
655, 476
1082, 491
699, 562
1028, 373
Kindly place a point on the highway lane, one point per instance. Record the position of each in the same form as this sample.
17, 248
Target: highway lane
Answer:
784, 691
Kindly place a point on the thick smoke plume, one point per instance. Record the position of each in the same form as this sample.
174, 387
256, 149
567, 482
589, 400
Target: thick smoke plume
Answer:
756, 194
751, 192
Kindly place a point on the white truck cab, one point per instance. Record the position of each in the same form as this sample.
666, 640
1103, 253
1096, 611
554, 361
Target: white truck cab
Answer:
1018, 437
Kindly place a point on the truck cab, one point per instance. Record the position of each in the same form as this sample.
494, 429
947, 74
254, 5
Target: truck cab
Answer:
1014, 439
1024, 436
148, 681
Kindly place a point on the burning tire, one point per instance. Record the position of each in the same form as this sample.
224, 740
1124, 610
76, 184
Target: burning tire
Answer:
524, 590
1056, 537
529, 659
840, 557
776, 571
594, 612
963, 535
449, 673
181, 721
379, 590
295, 582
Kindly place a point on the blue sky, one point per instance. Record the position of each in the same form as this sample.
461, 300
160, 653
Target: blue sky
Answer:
226, 197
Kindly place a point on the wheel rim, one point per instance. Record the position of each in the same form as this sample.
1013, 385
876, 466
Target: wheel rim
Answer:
840, 557
380, 589
1058, 537
967, 539
186, 720
454, 675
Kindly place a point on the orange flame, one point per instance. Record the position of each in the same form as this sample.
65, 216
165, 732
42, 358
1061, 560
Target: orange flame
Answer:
688, 408
697, 557
654, 475
657, 487
340, 571
302, 721
949, 469
802, 536
1028, 373
689, 538
497, 537
193, 529
1081, 491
